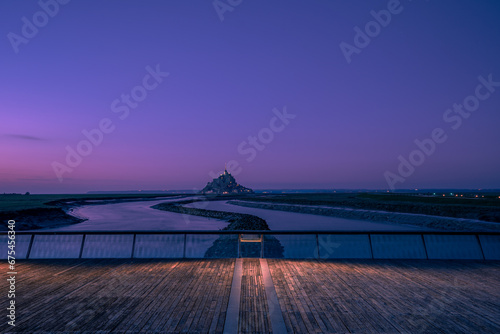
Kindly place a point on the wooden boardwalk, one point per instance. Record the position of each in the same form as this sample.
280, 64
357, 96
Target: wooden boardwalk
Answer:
191, 296
388, 296
118, 296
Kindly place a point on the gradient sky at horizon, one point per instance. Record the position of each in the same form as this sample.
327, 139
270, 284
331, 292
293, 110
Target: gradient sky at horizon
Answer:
352, 121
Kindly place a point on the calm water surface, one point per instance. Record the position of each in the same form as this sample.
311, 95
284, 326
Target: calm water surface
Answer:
133, 216
140, 216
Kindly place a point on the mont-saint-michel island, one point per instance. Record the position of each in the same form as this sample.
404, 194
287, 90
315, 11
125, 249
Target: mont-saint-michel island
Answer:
225, 184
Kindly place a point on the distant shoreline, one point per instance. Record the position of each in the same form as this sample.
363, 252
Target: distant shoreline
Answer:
400, 218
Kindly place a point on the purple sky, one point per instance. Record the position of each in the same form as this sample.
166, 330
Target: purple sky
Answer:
352, 120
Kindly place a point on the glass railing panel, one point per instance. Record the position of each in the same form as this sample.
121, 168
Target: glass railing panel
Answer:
386, 245
22, 243
491, 246
108, 246
297, 246
344, 246
211, 245
159, 246
59, 246
398, 246
451, 247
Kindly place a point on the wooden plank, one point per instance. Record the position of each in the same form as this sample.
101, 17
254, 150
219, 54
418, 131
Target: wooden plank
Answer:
275, 315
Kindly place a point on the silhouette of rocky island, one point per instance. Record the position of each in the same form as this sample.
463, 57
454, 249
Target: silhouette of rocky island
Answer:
225, 184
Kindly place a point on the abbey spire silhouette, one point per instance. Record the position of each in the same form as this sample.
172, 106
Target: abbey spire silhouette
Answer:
225, 184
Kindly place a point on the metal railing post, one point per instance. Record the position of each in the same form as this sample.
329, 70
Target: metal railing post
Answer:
480, 246
30, 245
184, 251
133, 246
425, 247
371, 247
81, 247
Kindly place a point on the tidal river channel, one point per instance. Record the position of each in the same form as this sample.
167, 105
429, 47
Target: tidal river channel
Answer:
132, 216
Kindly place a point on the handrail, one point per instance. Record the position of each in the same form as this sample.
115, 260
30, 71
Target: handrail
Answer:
372, 244
44, 232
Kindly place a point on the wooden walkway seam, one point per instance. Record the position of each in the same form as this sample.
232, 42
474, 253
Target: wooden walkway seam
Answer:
277, 321
233, 308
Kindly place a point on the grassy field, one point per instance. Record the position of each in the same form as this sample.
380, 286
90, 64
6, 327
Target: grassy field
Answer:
489, 199
17, 202
485, 208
